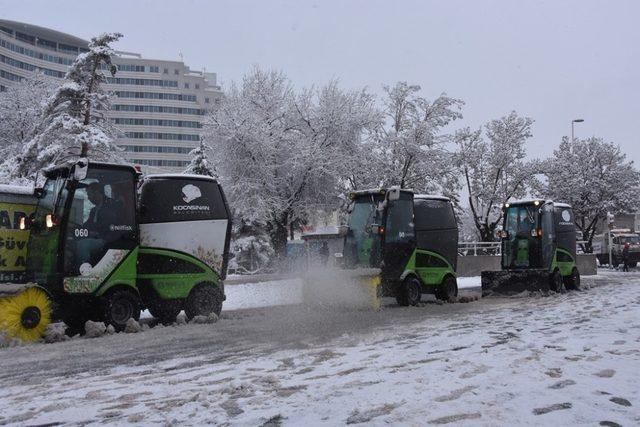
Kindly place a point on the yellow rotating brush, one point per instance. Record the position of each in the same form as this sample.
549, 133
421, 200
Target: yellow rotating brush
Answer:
26, 315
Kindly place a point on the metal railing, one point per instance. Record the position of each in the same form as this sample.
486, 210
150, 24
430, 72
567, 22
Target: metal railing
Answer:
494, 248
479, 248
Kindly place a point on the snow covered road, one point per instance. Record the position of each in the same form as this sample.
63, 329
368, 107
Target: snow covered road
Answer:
564, 359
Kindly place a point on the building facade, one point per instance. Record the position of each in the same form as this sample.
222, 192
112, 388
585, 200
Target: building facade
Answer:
159, 105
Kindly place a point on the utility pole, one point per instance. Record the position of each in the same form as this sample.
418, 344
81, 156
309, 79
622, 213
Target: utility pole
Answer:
572, 131
610, 221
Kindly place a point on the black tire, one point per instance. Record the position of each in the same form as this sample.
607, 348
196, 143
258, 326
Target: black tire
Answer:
556, 283
165, 312
448, 289
75, 323
204, 299
409, 292
572, 282
119, 306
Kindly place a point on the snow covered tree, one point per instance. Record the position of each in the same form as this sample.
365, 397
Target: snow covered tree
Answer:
200, 161
21, 110
410, 146
281, 154
594, 177
494, 171
74, 116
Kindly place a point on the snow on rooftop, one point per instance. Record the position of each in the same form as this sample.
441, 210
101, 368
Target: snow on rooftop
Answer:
431, 197
16, 189
529, 201
179, 175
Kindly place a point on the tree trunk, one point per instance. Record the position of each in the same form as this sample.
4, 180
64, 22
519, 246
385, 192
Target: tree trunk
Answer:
278, 231
487, 233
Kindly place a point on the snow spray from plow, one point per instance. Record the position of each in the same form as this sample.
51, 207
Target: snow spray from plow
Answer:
359, 288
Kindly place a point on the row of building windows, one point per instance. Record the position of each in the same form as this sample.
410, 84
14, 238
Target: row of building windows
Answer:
138, 68
156, 149
47, 44
10, 76
156, 162
157, 122
154, 95
35, 54
158, 109
26, 66
164, 136
133, 68
141, 82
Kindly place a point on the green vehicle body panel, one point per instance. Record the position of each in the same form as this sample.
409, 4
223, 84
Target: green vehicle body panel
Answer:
166, 285
178, 286
123, 274
429, 276
565, 267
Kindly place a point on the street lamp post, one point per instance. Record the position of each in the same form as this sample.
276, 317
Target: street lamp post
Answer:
572, 122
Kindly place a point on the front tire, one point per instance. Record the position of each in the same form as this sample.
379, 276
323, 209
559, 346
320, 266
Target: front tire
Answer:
448, 289
203, 300
119, 306
409, 292
573, 281
165, 312
556, 283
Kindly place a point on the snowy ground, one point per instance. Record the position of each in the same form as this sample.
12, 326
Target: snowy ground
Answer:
564, 359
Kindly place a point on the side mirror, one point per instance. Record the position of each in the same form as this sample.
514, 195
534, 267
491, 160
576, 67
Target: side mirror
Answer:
38, 193
80, 169
343, 230
393, 193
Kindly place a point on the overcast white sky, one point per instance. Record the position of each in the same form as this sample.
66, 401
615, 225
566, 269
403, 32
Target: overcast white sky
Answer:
550, 60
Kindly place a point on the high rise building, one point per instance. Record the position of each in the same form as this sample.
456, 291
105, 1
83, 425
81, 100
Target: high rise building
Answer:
159, 105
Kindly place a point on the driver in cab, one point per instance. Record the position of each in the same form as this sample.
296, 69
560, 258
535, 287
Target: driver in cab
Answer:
103, 214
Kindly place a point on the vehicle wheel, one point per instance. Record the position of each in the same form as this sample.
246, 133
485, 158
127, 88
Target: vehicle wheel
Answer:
572, 282
409, 292
165, 312
448, 289
75, 322
204, 299
119, 306
556, 283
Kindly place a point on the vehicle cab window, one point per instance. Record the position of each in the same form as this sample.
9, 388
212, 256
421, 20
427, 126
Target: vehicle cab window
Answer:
101, 217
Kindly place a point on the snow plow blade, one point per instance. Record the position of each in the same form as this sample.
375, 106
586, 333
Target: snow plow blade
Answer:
513, 282
359, 288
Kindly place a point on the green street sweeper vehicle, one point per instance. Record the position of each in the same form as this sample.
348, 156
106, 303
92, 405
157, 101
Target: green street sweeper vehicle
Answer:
538, 250
106, 242
402, 243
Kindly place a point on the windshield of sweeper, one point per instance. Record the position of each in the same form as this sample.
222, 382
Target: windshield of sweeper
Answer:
521, 247
362, 246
